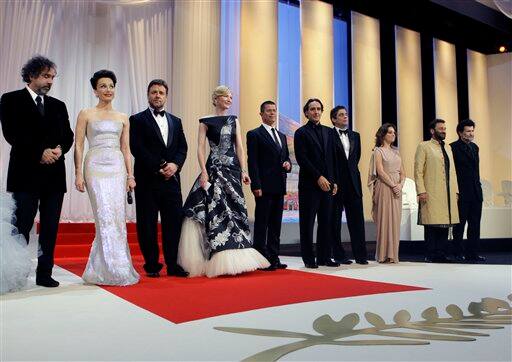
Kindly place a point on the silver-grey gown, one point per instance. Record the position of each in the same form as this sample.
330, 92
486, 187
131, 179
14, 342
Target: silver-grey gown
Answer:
109, 262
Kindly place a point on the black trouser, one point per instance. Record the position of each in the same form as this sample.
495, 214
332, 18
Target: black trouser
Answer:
353, 206
50, 206
267, 225
470, 212
436, 239
151, 199
315, 203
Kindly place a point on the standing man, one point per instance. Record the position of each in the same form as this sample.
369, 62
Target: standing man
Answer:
314, 152
467, 166
158, 144
268, 162
350, 196
37, 128
436, 185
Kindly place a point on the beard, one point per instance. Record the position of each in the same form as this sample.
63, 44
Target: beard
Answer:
440, 135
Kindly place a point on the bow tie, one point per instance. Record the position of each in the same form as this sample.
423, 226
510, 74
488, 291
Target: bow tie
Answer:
159, 113
343, 131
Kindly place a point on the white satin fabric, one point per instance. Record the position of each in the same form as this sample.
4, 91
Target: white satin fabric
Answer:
109, 262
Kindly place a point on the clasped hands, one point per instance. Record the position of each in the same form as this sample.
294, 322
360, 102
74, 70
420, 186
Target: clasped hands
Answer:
169, 170
51, 155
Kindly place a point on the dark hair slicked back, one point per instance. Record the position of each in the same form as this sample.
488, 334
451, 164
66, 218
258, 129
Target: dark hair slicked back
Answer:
161, 82
103, 73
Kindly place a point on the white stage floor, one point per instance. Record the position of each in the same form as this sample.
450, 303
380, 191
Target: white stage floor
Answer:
82, 322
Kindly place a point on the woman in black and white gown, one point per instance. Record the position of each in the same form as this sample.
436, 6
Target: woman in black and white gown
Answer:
215, 237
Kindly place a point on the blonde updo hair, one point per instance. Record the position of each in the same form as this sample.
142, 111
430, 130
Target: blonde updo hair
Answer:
221, 90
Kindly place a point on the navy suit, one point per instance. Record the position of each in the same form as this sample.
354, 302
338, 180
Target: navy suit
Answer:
265, 162
34, 184
153, 193
467, 166
314, 152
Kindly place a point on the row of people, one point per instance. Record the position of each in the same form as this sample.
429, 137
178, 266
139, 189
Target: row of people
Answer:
210, 234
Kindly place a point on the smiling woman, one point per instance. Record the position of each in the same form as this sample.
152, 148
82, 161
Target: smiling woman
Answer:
107, 175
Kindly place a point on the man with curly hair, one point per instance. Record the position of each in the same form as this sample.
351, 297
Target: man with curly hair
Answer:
37, 128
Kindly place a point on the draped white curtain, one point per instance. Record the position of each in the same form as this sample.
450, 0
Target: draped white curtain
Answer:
81, 37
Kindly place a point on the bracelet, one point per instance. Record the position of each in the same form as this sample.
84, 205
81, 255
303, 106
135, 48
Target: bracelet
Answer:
130, 177
243, 171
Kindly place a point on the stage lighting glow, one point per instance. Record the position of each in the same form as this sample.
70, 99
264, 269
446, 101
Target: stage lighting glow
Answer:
502, 49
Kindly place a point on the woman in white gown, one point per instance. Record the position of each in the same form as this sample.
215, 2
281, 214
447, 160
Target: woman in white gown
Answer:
15, 261
215, 236
107, 176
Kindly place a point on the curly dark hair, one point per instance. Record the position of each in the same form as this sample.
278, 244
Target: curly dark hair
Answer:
465, 123
35, 66
381, 133
104, 73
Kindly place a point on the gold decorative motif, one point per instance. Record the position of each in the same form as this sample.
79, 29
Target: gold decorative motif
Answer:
489, 313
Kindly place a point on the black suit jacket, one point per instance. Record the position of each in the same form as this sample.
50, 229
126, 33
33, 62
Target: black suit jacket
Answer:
467, 166
29, 134
149, 149
314, 159
265, 161
354, 176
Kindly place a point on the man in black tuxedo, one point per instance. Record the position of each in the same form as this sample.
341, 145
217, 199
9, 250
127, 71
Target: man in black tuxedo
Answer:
159, 146
467, 166
269, 161
314, 152
350, 196
37, 128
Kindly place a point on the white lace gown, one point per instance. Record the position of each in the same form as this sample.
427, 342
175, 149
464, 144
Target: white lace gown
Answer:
15, 261
109, 262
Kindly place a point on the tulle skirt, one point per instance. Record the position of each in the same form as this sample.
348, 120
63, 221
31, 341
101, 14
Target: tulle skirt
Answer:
15, 261
193, 255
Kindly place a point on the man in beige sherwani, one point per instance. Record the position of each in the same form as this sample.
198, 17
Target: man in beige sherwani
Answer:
436, 185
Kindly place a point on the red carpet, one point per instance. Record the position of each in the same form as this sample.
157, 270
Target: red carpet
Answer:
182, 300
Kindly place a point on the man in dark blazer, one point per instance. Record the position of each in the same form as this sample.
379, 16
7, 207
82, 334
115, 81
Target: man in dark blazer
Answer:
314, 153
268, 162
467, 166
37, 128
159, 146
350, 196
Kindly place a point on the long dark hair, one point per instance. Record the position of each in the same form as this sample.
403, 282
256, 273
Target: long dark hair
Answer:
381, 133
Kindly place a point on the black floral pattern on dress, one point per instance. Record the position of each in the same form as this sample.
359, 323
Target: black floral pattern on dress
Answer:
221, 210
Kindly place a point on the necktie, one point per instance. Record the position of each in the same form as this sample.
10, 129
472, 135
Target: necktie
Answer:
161, 113
274, 134
343, 132
39, 105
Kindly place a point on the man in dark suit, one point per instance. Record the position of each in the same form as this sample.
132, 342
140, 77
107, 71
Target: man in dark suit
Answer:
159, 146
350, 196
314, 153
269, 161
37, 128
467, 166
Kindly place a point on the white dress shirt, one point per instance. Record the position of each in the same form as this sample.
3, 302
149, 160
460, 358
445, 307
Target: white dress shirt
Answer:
344, 140
161, 121
269, 130
34, 95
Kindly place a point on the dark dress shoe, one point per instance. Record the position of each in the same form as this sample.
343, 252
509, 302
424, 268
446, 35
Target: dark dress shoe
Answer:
311, 265
153, 275
459, 258
47, 282
475, 258
177, 271
330, 263
362, 262
344, 261
270, 268
281, 266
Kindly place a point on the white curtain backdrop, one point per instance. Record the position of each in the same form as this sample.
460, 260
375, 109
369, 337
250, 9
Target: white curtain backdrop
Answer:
81, 37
